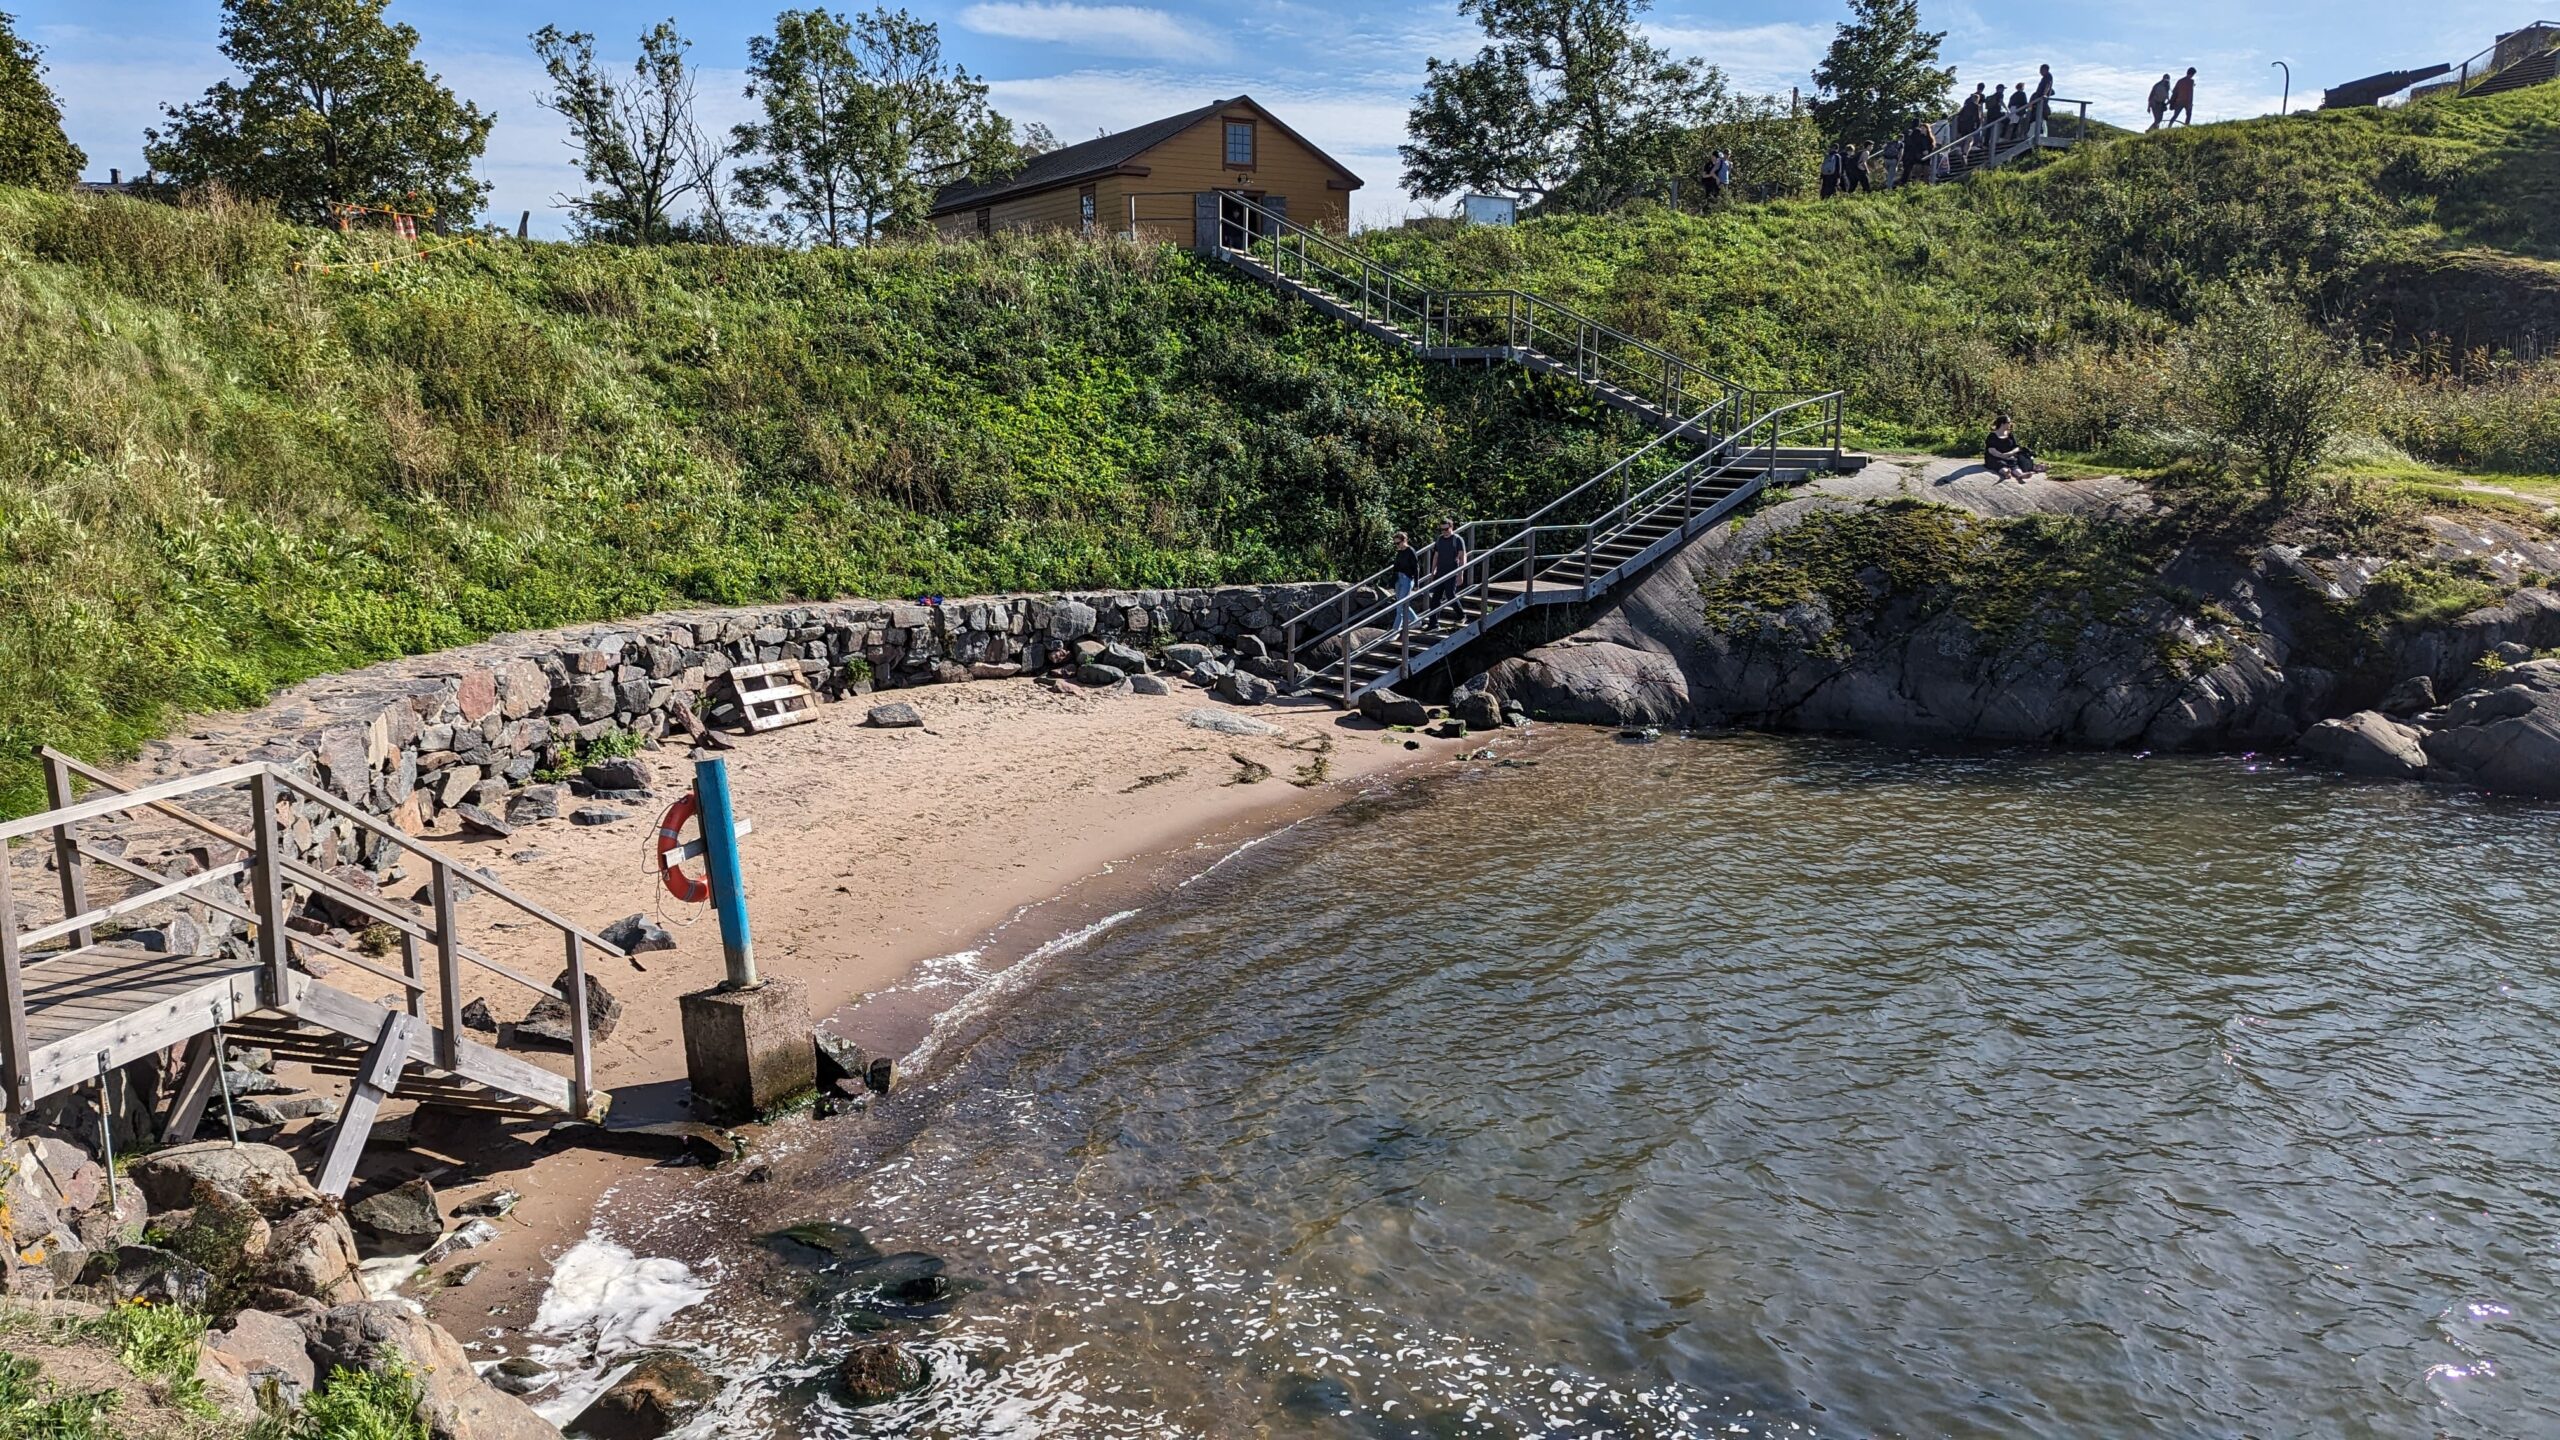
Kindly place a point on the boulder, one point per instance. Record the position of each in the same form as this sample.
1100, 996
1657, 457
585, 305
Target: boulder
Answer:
1126, 658
404, 1216
1227, 722
839, 1059
1209, 672
596, 815
550, 1023
2370, 744
1478, 710
1100, 676
281, 1109
2410, 697
478, 820
453, 1400
312, 1253
541, 802
896, 715
1387, 707
1250, 647
476, 1016
521, 1375
149, 1275
658, 1394
2504, 737
1238, 688
267, 1351
621, 772
262, 1175
878, 1370
1186, 658
1148, 685
637, 935
1071, 620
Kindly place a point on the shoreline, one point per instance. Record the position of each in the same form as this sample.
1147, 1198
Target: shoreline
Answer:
1015, 817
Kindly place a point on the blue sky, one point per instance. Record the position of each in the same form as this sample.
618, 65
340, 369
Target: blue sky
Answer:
1340, 71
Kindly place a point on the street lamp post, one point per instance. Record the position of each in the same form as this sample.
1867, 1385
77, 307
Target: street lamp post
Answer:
2287, 107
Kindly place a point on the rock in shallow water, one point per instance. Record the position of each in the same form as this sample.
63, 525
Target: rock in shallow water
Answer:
660, 1393
878, 1370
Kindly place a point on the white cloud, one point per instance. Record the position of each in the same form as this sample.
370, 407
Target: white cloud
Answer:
1755, 58
1132, 30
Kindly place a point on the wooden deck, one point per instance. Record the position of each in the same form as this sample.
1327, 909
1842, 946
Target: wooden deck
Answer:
92, 1009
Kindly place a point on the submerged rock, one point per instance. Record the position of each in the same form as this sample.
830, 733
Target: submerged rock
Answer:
878, 1370
660, 1393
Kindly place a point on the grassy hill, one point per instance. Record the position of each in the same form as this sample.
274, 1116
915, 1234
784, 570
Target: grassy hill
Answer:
219, 473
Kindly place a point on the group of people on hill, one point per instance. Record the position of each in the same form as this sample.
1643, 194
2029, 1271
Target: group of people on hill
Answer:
1988, 120
2172, 101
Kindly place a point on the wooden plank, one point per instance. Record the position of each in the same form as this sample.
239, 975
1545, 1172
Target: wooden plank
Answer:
758, 672
154, 1026
175, 812
582, 1070
66, 849
14, 1050
381, 1075
448, 964
118, 801
775, 694
186, 1112
336, 1010
144, 900
267, 891
140, 872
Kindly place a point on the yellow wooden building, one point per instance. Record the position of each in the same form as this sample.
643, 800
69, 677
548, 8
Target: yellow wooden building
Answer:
1162, 181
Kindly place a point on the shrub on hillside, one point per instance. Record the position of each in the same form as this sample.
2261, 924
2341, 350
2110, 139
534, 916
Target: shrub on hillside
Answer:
2264, 384
2504, 415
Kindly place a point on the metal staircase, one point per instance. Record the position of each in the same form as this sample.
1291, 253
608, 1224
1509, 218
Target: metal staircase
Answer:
2005, 142
2530, 56
81, 995
1718, 445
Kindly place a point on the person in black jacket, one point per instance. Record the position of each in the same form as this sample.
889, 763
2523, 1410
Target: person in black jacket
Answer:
1408, 568
1448, 557
1915, 151
2007, 457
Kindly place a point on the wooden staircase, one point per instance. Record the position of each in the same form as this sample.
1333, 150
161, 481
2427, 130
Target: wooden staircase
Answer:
1716, 446
79, 999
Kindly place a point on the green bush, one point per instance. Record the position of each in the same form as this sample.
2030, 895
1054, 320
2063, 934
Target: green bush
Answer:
358, 1405
2259, 381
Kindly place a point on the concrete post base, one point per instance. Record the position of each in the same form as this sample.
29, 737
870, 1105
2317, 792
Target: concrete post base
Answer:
748, 1052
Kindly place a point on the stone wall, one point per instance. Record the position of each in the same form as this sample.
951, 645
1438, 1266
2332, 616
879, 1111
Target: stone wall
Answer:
415, 739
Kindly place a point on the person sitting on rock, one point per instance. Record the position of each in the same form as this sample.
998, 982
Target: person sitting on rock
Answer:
2006, 457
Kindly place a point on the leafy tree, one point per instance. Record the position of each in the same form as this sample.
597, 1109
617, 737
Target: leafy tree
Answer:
1568, 105
863, 123
1881, 74
33, 149
1776, 152
637, 143
332, 106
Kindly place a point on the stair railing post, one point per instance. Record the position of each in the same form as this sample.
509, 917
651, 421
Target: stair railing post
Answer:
13, 998
1529, 571
411, 966
448, 967
72, 867
582, 1063
268, 877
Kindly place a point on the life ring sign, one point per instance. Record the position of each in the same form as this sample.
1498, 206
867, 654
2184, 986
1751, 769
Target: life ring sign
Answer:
682, 884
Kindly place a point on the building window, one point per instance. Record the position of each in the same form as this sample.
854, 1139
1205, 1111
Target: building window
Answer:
986, 220
1084, 208
1239, 144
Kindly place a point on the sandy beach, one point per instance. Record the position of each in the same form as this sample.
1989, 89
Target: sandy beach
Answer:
1014, 815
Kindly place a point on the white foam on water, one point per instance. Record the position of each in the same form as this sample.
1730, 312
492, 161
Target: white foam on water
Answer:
1006, 982
604, 1303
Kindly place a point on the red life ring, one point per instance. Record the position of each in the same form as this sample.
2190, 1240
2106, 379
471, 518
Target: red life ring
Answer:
671, 838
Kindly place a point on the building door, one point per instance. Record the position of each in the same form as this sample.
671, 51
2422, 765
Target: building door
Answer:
1236, 224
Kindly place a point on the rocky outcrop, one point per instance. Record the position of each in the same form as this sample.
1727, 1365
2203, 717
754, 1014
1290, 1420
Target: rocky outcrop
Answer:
2503, 735
2217, 650
455, 1402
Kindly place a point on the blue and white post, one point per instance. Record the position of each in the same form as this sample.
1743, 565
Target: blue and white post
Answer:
747, 1046
728, 880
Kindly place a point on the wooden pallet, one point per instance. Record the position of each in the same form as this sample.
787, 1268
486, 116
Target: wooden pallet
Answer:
771, 696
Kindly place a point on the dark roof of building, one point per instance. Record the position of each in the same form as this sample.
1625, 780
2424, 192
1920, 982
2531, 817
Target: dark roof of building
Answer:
1075, 164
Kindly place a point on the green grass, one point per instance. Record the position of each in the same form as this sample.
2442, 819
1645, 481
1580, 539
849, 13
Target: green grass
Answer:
31, 1409
220, 474
357, 1405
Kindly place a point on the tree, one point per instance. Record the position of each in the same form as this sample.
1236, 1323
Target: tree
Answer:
863, 123
33, 149
332, 107
1568, 105
638, 143
1881, 74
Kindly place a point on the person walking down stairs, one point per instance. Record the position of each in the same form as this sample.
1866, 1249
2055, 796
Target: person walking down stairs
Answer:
2160, 101
2182, 100
1448, 557
1408, 567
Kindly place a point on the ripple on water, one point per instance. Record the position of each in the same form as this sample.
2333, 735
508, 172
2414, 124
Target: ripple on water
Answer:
1761, 1087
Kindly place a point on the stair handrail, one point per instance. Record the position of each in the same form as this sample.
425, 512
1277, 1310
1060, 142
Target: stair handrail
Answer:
267, 867
1383, 577
1484, 571
1263, 226
2468, 81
